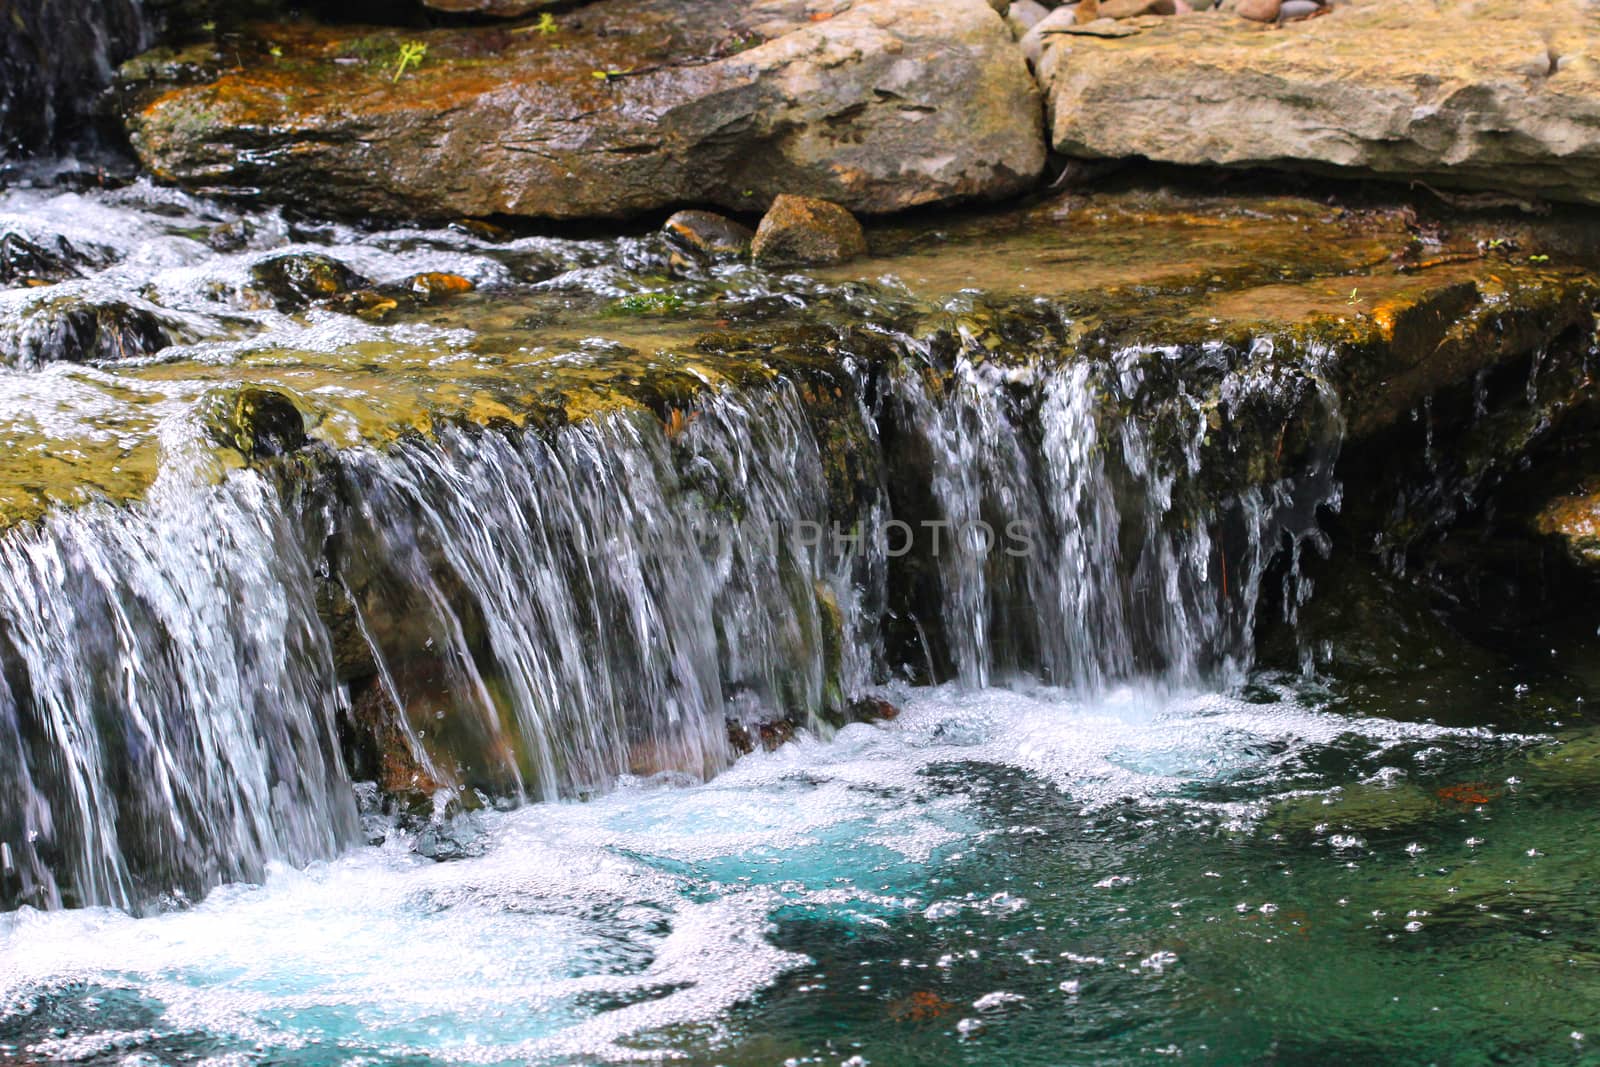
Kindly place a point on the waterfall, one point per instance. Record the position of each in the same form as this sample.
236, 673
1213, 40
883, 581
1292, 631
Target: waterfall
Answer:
529, 614
56, 56
1081, 540
167, 701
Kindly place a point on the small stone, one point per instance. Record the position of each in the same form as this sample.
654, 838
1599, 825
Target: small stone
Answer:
1259, 10
1024, 16
1127, 9
1297, 9
709, 233
805, 231
435, 284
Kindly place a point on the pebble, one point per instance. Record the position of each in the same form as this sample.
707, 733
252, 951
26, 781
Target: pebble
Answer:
1297, 9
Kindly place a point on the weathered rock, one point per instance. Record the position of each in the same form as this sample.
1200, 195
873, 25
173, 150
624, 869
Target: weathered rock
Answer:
1496, 94
1298, 9
1574, 520
632, 106
804, 231
300, 278
709, 233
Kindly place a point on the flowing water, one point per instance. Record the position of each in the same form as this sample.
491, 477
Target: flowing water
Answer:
570, 537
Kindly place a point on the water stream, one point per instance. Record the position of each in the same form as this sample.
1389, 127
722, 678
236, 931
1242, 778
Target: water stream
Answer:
1098, 833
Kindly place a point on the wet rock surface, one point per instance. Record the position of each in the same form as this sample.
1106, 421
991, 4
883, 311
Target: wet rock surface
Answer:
613, 109
1498, 95
804, 231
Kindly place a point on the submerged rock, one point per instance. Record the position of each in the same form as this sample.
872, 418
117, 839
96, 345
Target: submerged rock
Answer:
74, 328
630, 106
259, 423
292, 281
1498, 94
802, 231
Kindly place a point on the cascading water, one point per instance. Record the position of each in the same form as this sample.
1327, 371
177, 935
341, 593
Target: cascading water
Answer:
167, 701
614, 593
1077, 543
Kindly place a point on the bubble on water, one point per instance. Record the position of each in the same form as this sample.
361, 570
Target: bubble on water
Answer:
970, 1027
997, 1001
1158, 962
1071, 987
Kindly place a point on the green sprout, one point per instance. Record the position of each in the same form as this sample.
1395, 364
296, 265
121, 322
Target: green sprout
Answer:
411, 54
1355, 297
546, 25
647, 304
610, 75
1539, 259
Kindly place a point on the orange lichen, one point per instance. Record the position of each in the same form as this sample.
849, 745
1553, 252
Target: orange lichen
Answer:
919, 1007
1468, 793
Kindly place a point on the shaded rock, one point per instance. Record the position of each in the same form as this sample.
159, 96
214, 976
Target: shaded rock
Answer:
803, 231
635, 105
1298, 9
1499, 94
55, 57
380, 746
709, 233
300, 278
25, 262
505, 9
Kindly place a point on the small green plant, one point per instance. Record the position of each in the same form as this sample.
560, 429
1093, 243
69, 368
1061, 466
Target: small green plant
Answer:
1539, 259
275, 52
546, 25
1355, 297
647, 304
610, 75
411, 55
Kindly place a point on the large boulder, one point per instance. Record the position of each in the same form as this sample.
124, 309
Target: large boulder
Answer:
1491, 94
628, 106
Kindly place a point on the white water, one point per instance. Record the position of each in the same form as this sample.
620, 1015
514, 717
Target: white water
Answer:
571, 928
